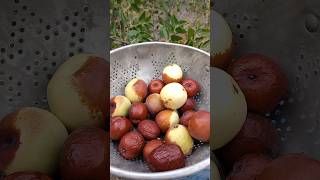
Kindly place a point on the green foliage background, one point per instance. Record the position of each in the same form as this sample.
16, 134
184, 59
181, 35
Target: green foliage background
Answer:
177, 21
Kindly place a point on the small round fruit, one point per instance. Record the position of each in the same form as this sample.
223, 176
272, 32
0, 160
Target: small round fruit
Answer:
85, 155
78, 92
28, 175
248, 167
180, 136
149, 129
131, 145
293, 167
150, 146
257, 135
119, 126
30, 135
223, 48
172, 73
166, 119
166, 157
189, 105
119, 106
173, 96
199, 126
262, 81
155, 86
192, 87
185, 118
154, 103
136, 90
229, 108
138, 112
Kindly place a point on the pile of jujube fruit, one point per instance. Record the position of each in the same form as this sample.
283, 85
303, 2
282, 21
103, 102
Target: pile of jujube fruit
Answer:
159, 121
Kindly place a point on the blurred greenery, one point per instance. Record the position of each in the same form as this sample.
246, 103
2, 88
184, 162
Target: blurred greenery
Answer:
177, 21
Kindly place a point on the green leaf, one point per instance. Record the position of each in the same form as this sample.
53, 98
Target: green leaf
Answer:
132, 33
190, 34
180, 30
164, 33
175, 38
142, 16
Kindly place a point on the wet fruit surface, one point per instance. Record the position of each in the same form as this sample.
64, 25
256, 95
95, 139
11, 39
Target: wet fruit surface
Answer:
138, 112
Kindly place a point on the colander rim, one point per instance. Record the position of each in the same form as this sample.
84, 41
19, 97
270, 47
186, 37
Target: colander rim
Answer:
178, 173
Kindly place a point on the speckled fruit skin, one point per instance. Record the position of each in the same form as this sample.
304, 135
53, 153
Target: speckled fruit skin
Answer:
256, 136
248, 167
172, 73
149, 129
192, 87
78, 92
262, 81
131, 145
293, 167
85, 155
155, 86
199, 126
119, 126
28, 175
173, 96
166, 157
138, 112
150, 146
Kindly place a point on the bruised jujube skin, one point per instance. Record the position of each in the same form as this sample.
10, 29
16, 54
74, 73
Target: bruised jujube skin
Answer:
9, 140
131, 145
91, 83
166, 157
85, 155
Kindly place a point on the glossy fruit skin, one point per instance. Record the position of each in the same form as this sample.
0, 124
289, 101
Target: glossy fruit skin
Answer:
256, 136
149, 129
173, 96
186, 116
293, 167
155, 86
189, 105
27, 175
192, 87
199, 126
166, 157
166, 119
85, 155
119, 126
154, 103
172, 73
136, 90
138, 112
131, 145
248, 167
150, 146
119, 106
180, 136
262, 81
